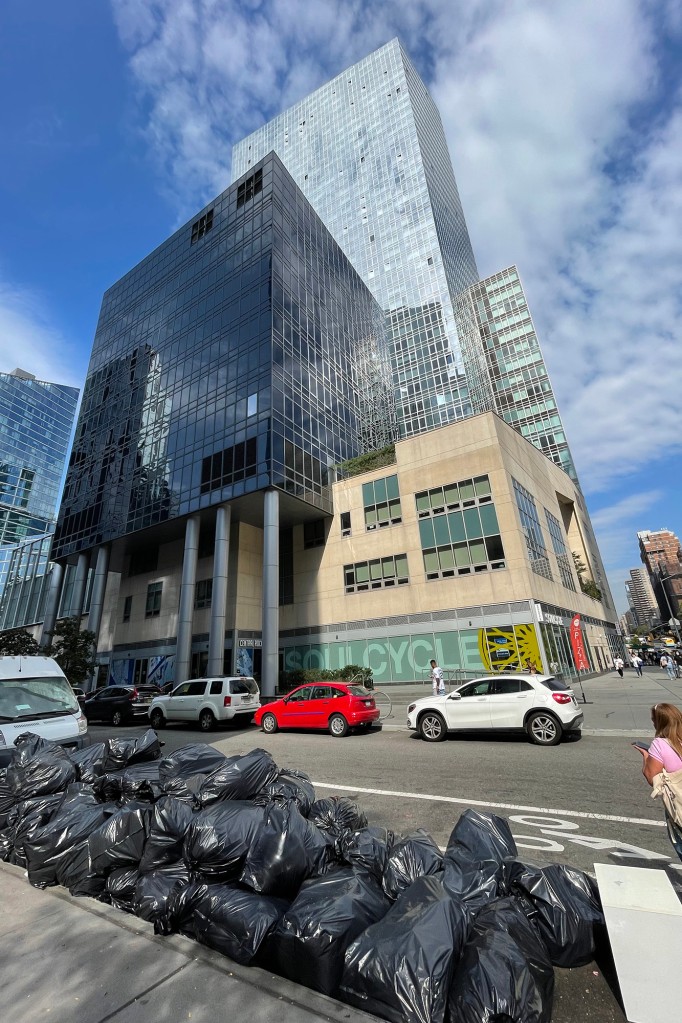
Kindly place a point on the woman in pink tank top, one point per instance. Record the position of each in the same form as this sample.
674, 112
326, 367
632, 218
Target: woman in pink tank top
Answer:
666, 749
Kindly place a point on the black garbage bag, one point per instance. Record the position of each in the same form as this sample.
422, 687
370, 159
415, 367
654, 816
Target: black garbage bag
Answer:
25, 819
178, 914
89, 761
119, 841
169, 825
310, 941
401, 967
479, 855
367, 850
186, 788
219, 838
141, 782
504, 972
108, 787
126, 752
233, 920
73, 872
285, 851
38, 768
78, 816
7, 798
289, 785
120, 888
566, 909
337, 814
196, 758
153, 890
413, 856
240, 777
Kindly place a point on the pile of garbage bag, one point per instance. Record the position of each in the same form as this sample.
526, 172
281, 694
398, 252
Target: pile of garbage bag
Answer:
239, 855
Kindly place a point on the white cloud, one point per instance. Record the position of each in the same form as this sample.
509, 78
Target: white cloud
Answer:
616, 527
31, 341
565, 145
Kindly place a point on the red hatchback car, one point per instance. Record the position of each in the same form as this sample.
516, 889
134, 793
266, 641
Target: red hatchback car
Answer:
329, 705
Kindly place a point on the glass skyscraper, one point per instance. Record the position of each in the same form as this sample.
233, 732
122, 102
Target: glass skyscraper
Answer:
369, 152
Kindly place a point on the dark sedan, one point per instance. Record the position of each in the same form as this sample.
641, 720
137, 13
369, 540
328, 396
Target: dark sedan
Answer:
120, 705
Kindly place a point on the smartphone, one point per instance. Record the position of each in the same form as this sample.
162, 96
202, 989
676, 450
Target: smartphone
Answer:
644, 746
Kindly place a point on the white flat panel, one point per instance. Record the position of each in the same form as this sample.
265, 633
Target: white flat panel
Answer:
635, 888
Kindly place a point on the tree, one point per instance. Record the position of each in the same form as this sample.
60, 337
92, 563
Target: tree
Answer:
18, 643
73, 650
587, 585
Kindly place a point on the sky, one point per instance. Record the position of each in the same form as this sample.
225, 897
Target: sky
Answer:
564, 122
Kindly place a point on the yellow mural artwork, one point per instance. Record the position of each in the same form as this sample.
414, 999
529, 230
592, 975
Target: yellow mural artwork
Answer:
510, 648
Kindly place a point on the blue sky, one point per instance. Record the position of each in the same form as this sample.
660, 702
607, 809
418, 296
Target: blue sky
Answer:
564, 122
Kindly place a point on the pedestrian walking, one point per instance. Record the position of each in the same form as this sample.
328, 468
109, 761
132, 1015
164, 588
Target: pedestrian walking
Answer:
437, 679
637, 663
662, 766
618, 665
668, 665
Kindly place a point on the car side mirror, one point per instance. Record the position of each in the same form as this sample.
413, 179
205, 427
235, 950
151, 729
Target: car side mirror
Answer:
455, 696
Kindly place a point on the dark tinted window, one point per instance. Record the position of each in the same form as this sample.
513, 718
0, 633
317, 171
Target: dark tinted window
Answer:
525, 687
359, 690
555, 684
476, 688
243, 687
504, 686
321, 693
216, 687
197, 688
333, 692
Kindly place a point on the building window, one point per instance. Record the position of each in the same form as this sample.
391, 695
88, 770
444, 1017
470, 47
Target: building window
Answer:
381, 500
252, 405
229, 466
203, 594
530, 523
345, 523
313, 534
376, 574
286, 566
127, 608
201, 226
252, 186
153, 605
459, 531
562, 555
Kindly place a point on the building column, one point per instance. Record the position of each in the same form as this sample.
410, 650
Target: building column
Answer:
270, 626
79, 584
99, 585
52, 605
183, 650
216, 639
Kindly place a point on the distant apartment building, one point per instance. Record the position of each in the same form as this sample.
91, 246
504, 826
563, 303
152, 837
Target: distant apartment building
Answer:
662, 556
641, 599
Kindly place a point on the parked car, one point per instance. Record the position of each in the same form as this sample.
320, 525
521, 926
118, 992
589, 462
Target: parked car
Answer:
207, 701
79, 694
35, 696
119, 705
335, 706
541, 705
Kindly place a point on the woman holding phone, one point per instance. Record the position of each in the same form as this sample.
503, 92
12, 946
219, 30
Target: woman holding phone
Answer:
665, 752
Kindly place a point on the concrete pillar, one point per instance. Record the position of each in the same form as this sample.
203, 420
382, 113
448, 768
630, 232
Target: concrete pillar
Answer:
183, 650
99, 585
270, 627
216, 639
79, 584
52, 605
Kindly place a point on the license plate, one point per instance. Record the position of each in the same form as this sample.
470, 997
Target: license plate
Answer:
247, 699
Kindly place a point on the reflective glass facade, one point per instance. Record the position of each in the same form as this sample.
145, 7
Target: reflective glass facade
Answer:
494, 316
245, 352
369, 152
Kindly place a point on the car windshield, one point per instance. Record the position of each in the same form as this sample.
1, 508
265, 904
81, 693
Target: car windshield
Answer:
358, 690
28, 697
243, 686
555, 684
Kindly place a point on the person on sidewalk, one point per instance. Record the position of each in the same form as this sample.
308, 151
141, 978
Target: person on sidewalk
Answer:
665, 753
619, 665
437, 679
637, 663
669, 665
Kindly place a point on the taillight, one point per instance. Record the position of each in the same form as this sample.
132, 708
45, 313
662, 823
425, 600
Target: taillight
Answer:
561, 697
227, 701
135, 694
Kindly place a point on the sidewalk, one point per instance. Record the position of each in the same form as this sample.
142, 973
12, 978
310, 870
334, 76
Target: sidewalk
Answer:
79, 961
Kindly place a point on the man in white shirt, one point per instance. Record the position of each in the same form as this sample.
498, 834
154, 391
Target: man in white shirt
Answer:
437, 679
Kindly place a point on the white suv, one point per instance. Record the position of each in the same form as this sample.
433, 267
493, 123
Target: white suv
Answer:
206, 700
541, 705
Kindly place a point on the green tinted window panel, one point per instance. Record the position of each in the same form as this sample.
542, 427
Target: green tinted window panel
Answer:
426, 534
436, 497
379, 490
367, 494
370, 516
375, 570
494, 547
479, 555
482, 486
446, 556
395, 510
451, 493
456, 523
401, 565
441, 531
472, 523
462, 559
388, 568
488, 519
362, 572
423, 503
466, 490
382, 512
392, 491
431, 562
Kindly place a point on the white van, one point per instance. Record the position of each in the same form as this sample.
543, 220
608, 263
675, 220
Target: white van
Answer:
35, 696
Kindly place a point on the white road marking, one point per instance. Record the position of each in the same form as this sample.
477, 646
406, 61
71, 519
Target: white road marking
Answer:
496, 806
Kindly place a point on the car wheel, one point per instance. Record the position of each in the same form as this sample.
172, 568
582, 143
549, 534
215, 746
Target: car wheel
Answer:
543, 729
432, 727
157, 720
338, 726
269, 724
117, 718
206, 721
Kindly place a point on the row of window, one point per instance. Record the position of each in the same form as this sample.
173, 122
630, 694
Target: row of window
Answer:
203, 595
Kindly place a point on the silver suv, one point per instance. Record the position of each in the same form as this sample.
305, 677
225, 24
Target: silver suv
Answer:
208, 701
